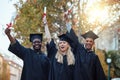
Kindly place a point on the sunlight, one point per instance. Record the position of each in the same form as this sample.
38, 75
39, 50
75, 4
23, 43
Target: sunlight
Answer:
97, 15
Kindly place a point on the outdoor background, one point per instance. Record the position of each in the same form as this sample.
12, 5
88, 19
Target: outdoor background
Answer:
100, 16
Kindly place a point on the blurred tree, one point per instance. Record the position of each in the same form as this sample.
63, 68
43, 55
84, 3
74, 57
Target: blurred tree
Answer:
84, 16
98, 15
115, 56
30, 13
6, 71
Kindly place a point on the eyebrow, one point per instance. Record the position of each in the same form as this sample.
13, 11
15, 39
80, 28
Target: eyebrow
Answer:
37, 40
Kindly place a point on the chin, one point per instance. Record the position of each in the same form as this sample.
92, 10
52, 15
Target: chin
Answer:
63, 50
36, 48
88, 47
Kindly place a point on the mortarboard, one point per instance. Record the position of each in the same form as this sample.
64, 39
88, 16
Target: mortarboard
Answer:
90, 34
64, 37
34, 36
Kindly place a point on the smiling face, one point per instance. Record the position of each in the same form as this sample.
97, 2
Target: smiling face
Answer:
37, 44
89, 42
63, 46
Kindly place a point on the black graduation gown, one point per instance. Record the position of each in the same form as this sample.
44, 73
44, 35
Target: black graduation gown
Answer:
87, 65
36, 66
58, 71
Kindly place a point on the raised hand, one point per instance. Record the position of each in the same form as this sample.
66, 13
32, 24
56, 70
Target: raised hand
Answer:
7, 31
9, 25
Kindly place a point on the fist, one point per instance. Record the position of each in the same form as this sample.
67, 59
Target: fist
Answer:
7, 31
9, 25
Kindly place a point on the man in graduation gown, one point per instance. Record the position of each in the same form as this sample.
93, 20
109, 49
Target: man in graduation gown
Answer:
87, 66
36, 64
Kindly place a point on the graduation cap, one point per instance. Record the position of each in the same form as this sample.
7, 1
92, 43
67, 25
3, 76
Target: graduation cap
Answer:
64, 37
34, 36
90, 34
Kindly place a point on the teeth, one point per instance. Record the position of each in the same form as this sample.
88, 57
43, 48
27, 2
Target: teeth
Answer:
36, 46
62, 47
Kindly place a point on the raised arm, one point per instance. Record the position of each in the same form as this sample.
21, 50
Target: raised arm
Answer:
10, 37
51, 46
71, 34
15, 47
51, 49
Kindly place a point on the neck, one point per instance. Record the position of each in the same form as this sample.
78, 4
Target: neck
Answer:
37, 50
87, 49
63, 53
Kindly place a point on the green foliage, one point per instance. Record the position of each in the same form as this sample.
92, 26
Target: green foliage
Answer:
30, 13
29, 17
115, 56
85, 9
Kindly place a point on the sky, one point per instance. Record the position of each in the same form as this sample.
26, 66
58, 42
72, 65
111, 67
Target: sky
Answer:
5, 17
6, 13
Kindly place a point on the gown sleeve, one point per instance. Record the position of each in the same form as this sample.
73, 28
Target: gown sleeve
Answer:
75, 42
99, 70
18, 50
72, 35
46, 67
51, 49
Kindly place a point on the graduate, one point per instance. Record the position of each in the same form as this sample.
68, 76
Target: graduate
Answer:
35, 63
62, 59
87, 66
87, 63
60, 54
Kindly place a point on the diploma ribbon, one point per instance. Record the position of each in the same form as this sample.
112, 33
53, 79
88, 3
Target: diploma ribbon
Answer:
69, 10
9, 25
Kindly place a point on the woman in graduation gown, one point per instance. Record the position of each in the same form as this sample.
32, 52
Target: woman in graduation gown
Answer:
87, 65
62, 59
